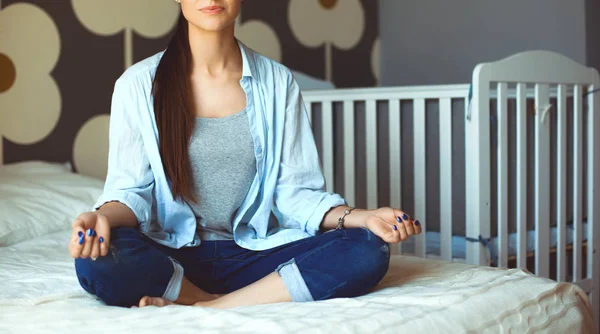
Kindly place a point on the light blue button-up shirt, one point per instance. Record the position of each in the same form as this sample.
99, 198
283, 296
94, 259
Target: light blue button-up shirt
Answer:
289, 182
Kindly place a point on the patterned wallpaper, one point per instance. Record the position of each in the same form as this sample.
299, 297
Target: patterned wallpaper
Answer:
59, 60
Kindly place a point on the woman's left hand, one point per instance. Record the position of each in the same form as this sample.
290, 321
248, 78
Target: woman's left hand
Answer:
392, 225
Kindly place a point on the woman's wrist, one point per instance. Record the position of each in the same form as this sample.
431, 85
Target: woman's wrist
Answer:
355, 219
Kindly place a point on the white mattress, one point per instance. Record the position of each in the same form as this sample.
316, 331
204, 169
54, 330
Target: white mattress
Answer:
39, 293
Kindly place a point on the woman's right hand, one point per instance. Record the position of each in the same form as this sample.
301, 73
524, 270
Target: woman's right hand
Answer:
91, 236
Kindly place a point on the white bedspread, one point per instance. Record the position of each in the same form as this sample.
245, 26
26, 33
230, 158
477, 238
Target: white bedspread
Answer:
39, 293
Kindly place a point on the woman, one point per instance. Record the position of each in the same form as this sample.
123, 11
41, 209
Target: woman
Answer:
214, 194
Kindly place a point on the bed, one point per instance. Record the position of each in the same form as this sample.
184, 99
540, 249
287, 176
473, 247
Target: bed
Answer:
455, 277
40, 293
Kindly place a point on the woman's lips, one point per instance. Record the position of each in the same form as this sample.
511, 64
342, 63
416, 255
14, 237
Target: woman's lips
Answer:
212, 9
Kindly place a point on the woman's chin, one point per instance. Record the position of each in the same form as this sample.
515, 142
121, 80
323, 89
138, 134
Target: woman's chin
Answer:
213, 25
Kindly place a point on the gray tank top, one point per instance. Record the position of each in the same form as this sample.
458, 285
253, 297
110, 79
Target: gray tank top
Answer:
223, 168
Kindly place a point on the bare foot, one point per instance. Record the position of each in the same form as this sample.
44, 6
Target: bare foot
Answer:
160, 302
154, 301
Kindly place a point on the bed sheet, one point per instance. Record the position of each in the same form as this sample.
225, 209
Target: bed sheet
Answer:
39, 293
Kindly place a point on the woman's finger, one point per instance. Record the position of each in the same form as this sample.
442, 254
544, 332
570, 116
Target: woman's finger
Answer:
87, 244
395, 235
103, 230
76, 242
402, 231
410, 228
418, 228
95, 247
405, 223
402, 216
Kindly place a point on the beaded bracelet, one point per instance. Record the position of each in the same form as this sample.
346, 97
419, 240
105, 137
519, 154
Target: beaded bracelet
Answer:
340, 224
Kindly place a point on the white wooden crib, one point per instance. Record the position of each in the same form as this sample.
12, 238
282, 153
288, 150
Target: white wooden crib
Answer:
362, 137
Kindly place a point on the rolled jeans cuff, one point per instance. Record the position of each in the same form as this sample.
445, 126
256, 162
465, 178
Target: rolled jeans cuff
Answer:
174, 287
294, 282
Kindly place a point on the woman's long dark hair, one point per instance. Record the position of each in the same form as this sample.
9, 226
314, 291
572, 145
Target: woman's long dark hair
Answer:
174, 111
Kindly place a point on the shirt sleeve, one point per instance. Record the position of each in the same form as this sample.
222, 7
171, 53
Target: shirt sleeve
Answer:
300, 193
129, 179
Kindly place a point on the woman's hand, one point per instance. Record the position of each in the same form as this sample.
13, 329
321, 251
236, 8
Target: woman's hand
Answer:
391, 225
91, 236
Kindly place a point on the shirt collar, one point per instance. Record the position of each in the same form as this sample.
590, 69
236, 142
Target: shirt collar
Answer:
248, 66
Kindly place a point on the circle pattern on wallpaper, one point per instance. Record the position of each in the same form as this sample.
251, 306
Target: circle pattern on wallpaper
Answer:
7, 68
376, 60
343, 24
90, 151
31, 104
328, 3
149, 18
260, 37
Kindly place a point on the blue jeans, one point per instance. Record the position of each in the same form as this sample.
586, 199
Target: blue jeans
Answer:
338, 263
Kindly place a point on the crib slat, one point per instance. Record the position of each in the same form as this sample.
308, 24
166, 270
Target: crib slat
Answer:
577, 180
419, 172
327, 143
446, 178
561, 184
371, 138
477, 171
502, 114
593, 255
395, 153
395, 158
521, 175
542, 181
349, 160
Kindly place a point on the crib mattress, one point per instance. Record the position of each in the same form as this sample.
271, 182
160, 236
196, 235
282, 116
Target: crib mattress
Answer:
459, 243
39, 293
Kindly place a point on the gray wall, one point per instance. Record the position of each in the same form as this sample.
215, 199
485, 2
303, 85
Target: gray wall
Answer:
592, 20
440, 41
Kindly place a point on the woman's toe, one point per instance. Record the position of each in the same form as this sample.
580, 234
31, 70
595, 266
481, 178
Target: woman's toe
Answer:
145, 301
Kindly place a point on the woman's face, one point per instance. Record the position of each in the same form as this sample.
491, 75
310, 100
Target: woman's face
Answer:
211, 15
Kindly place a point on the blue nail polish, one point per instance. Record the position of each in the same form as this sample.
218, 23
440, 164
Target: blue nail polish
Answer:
101, 239
395, 228
89, 232
80, 234
405, 217
94, 233
398, 219
81, 240
417, 223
